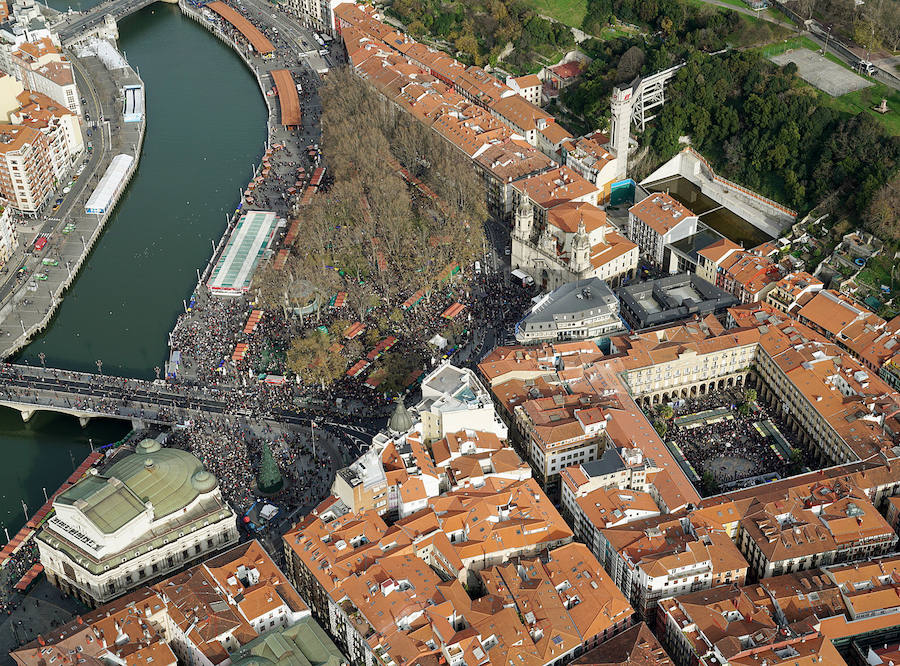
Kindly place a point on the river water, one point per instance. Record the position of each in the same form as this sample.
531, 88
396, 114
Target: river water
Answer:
206, 127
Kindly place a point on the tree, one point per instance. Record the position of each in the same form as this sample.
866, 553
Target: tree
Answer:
665, 411
630, 64
312, 359
661, 427
750, 395
269, 479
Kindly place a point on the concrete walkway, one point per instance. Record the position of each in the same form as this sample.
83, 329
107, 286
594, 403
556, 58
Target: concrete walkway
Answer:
44, 608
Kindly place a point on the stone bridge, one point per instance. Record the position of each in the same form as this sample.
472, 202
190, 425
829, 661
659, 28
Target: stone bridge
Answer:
83, 395
98, 21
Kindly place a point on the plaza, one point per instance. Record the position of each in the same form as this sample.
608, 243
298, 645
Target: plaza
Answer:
722, 446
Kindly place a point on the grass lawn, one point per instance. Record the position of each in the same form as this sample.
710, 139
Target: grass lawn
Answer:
736, 3
570, 12
863, 100
753, 31
788, 45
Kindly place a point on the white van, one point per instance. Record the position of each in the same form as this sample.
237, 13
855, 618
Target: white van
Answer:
478, 267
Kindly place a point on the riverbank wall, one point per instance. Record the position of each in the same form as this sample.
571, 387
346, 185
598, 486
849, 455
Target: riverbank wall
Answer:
88, 241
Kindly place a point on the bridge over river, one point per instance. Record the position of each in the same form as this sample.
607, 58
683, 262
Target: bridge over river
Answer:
28, 389
78, 25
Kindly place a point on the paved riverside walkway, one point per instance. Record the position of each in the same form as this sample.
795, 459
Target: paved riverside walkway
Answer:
27, 303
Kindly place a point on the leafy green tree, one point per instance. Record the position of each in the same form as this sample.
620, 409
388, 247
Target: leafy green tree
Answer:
661, 427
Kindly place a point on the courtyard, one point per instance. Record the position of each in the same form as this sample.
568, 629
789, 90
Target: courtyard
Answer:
723, 442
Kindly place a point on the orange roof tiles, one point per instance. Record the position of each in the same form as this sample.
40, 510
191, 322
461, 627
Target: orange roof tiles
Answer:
287, 97
660, 212
556, 187
257, 40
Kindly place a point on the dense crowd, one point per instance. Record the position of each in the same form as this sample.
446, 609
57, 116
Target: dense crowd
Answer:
17, 566
231, 450
731, 449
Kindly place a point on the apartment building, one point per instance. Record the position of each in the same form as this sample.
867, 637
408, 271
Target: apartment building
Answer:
617, 467
503, 163
26, 168
685, 360
528, 87
664, 556
552, 188
58, 124
657, 220
792, 290
734, 625
317, 15
201, 616
8, 237
42, 68
397, 475
375, 586
454, 399
562, 400
835, 402
811, 526
636, 646
588, 156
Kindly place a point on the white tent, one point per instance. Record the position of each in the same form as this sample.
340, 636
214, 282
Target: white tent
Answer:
109, 185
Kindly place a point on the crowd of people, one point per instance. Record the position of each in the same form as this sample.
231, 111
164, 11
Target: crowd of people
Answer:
730, 448
232, 448
11, 573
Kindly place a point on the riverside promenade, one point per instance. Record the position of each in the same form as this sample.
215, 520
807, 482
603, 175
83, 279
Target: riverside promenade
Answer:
29, 298
274, 179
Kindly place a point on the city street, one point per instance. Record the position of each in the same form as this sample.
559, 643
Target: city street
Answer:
25, 297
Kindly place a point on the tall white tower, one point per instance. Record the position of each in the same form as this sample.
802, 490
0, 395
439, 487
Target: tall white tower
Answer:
581, 250
524, 219
622, 104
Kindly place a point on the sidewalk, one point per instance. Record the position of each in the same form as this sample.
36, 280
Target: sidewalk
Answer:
44, 608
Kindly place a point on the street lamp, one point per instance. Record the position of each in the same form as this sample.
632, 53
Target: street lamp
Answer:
99, 366
156, 370
43, 358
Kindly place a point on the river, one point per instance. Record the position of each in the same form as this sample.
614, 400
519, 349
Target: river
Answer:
206, 127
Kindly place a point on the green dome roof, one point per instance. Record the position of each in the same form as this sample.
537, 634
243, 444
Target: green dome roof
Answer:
161, 477
253, 660
148, 446
203, 481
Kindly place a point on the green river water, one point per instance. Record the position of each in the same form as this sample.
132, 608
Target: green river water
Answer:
206, 126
